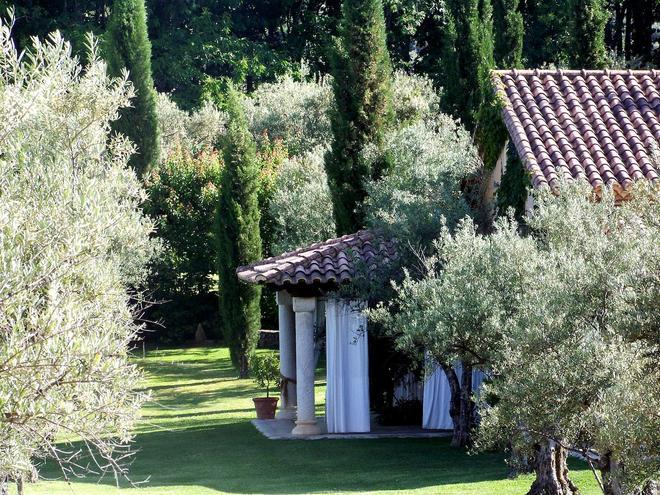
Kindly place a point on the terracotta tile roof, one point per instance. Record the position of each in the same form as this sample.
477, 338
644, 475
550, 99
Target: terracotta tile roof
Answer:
597, 125
330, 262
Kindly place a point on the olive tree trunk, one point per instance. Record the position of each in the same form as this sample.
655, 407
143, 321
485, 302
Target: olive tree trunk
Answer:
651, 487
551, 471
609, 470
461, 405
466, 418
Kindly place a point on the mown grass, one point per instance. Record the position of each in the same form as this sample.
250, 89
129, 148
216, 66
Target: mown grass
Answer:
195, 438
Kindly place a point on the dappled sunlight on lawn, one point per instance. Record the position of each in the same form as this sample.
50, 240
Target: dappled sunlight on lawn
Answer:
195, 438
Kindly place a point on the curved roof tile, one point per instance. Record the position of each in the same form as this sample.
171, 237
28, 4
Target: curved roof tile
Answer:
330, 262
599, 124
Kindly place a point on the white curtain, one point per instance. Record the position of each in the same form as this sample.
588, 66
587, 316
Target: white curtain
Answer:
435, 410
437, 396
347, 392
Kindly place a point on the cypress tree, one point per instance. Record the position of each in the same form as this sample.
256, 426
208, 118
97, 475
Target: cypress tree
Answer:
490, 132
127, 46
587, 34
467, 58
512, 192
643, 14
546, 31
508, 29
363, 92
238, 236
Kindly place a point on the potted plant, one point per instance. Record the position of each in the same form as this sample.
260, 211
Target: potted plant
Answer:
266, 373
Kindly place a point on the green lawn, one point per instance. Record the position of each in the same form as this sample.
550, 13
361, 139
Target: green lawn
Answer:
196, 438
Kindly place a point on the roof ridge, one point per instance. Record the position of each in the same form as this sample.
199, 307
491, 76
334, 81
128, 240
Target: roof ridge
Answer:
304, 249
592, 124
576, 72
324, 262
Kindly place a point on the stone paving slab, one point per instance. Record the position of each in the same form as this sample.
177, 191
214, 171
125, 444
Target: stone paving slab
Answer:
280, 429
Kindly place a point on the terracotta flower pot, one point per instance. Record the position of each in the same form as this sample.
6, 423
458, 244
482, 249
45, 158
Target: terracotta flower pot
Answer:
265, 407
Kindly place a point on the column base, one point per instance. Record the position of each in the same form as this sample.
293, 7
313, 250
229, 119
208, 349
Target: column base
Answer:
305, 428
286, 413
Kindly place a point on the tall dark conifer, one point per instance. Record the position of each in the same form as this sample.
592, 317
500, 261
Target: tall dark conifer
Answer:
586, 41
508, 31
363, 92
127, 46
546, 30
490, 132
238, 237
467, 58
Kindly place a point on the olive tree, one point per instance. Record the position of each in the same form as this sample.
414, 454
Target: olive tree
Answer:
565, 320
192, 131
298, 112
577, 369
294, 111
457, 312
422, 193
72, 241
301, 206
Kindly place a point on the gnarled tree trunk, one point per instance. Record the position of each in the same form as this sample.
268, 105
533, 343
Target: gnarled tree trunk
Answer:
551, 471
608, 472
455, 398
651, 487
466, 417
461, 405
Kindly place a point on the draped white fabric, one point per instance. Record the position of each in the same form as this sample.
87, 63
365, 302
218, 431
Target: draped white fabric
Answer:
435, 410
437, 395
347, 393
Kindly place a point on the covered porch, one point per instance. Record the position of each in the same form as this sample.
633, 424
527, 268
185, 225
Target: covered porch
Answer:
312, 312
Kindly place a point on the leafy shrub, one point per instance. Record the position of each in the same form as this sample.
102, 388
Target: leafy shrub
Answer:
265, 369
422, 192
73, 240
414, 98
295, 112
194, 132
301, 207
183, 192
271, 157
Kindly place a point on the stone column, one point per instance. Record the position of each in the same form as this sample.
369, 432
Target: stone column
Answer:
304, 309
287, 337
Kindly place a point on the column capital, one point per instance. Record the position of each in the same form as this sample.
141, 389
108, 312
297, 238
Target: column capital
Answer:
304, 304
283, 298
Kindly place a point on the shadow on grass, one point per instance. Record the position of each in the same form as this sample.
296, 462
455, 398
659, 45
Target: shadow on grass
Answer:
217, 448
235, 458
173, 414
